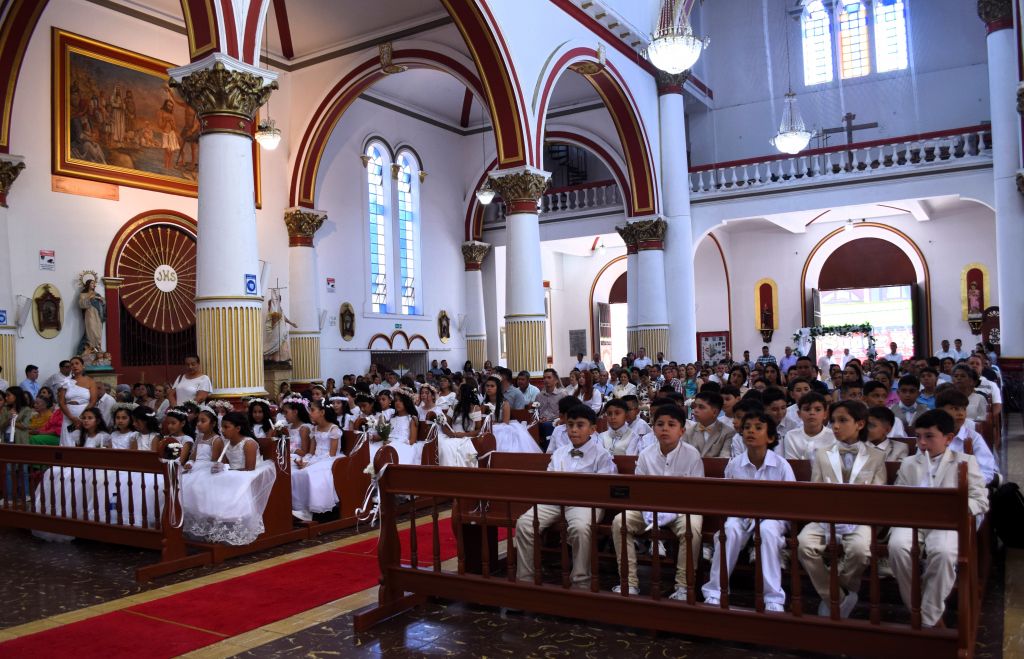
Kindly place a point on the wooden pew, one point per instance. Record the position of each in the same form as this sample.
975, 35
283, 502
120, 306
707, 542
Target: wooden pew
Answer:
277, 517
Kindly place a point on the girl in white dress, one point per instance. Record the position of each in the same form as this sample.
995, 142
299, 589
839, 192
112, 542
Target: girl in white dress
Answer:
404, 430
455, 441
175, 421
509, 437
313, 481
341, 409
147, 429
135, 487
208, 443
93, 433
260, 419
123, 435
226, 503
299, 425
428, 409
385, 404
75, 393
446, 397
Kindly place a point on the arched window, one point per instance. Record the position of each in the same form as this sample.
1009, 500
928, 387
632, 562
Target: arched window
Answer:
854, 53
407, 219
379, 218
816, 30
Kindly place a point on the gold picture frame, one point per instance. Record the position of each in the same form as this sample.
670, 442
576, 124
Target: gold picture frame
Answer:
116, 120
347, 321
47, 311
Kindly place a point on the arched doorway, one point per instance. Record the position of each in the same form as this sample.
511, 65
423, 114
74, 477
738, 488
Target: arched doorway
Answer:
608, 311
874, 274
151, 286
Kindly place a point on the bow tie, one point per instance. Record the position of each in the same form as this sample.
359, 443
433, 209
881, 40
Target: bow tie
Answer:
908, 409
843, 450
576, 453
620, 433
702, 428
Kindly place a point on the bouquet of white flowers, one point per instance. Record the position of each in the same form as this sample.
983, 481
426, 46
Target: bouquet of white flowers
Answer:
379, 425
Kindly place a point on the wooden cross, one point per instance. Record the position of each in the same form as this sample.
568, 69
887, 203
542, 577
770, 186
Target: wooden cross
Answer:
849, 128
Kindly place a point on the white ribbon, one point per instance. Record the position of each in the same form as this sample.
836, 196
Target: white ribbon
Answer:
283, 452
172, 469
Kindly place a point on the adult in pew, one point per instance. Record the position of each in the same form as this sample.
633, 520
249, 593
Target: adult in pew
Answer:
760, 463
849, 460
583, 455
880, 422
954, 403
510, 437
588, 394
934, 465
619, 439
966, 381
455, 439
226, 503
75, 394
671, 456
44, 427
193, 384
313, 479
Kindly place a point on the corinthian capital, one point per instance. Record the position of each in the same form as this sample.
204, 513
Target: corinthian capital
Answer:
302, 223
219, 90
671, 83
10, 167
650, 232
628, 233
473, 254
996, 12
521, 188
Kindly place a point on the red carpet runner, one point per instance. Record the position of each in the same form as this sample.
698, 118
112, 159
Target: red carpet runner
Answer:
173, 625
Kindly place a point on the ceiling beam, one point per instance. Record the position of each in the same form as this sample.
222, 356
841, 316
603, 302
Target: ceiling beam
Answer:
467, 105
283, 29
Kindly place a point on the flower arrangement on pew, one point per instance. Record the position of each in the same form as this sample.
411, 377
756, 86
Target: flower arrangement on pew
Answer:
170, 456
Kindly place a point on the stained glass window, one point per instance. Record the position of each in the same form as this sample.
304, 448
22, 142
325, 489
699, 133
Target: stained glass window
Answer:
890, 35
854, 53
378, 214
816, 31
407, 231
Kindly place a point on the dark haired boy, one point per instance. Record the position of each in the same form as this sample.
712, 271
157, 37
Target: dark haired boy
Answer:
955, 403
711, 438
875, 395
669, 456
798, 387
880, 422
730, 396
908, 408
584, 454
852, 391
619, 439
929, 381
559, 437
934, 465
639, 427
799, 443
743, 409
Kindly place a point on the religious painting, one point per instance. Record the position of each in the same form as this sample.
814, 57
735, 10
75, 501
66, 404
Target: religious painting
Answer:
444, 326
712, 346
347, 321
47, 311
974, 290
766, 305
117, 120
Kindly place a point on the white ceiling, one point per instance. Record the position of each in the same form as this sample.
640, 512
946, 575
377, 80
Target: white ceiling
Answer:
431, 93
572, 89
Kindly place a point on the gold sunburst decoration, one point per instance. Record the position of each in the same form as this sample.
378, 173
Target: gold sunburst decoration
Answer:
158, 265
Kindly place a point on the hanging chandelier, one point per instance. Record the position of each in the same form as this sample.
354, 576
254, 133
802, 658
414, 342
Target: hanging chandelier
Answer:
674, 47
793, 135
485, 194
268, 135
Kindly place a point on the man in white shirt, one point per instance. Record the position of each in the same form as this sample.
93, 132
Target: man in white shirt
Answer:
894, 356
660, 360
720, 375
958, 351
846, 357
642, 360
4, 385
581, 363
945, 352
53, 382
824, 362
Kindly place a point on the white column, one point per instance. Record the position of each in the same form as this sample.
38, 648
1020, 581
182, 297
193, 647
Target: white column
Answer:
651, 328
10, 167
632, 283
303, 294
473, 255
1003, 83
226, 94
520, 189
675, 198
489, 274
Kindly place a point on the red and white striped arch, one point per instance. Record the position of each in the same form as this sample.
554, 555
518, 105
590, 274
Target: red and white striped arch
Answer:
231, 27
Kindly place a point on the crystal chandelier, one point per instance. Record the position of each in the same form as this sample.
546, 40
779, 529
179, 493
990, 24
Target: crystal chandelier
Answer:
268, 135
793, 135
485, 194
674, 48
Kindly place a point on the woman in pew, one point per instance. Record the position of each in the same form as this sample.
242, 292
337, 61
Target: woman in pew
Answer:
428, 410
226, 503
312, 479
446, 398
455, 441
45, 425
509, 437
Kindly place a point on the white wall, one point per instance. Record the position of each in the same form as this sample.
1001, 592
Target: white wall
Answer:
712, 288
341, 242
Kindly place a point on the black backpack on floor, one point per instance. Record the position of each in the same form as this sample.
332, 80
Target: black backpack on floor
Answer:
1006, 510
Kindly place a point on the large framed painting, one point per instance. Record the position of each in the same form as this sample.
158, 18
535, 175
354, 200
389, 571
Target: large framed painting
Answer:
117, 120
713, 346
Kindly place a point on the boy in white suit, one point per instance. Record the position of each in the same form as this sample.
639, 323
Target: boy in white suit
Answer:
850, 460
934, 465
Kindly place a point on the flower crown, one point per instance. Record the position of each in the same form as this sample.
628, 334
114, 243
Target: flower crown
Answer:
334, 398
253, 401
222, 404
207, 408
298, 400
428, 387
180, 415
128, 407
406, 390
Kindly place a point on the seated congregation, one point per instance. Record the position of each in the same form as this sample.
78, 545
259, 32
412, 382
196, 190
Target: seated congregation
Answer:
309, 463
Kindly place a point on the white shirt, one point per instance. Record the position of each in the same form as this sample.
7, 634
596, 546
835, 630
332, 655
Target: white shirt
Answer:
897, 428
187, 388
824, 362
106, 407
798, 445
992, 389
898, 358
584, 365
775, 468
620, 442
642, 362
4, 385
846, 359
959, 354
620, 390
595, 459
683, 461
595, 402
530, 394
791, 422
560, 437
942, 354
979, 447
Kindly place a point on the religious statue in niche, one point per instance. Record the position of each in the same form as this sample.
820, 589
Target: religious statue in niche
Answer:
347, 321
974, 294
49, 312
275, 331
444, 326
94, 314
766, 301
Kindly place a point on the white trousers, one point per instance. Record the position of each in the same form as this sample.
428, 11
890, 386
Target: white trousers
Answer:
738, 532
853, 558
578, 535
635, 524
939, 549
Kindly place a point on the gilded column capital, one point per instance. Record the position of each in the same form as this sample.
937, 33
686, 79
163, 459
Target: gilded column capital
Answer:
996, 14
520, 188
10, 167
473, 254
628, 233
650, 234
671, 83
302, 223
226, 99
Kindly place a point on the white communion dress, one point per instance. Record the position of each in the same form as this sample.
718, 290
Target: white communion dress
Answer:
457, 451
226, 505
408, 454
77, 399
513, 437
137, 496
68, 491
313, 484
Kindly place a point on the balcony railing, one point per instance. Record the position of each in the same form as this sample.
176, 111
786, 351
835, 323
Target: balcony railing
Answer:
574, 200
847, 162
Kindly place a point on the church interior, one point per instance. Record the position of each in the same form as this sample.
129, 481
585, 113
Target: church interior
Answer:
314, 264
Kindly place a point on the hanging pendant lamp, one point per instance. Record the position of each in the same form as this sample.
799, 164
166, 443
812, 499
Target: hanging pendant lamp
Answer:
674, 47
793, 135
